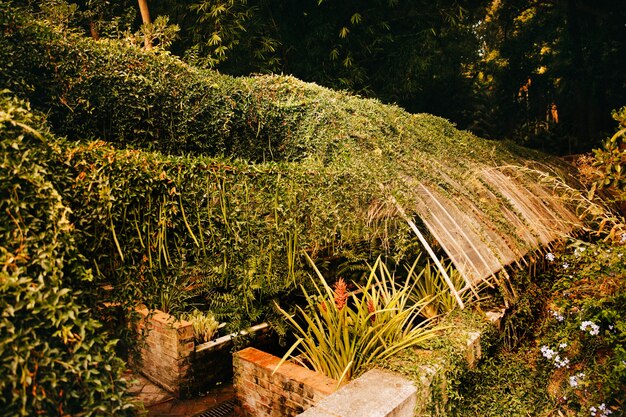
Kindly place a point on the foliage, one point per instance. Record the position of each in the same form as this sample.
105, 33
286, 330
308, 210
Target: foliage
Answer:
173, 231
586, 327
409, 53
105, 90
547, 72
571, 361
443, 361
610, 160
204, 325
505, 385
54, 357
159, 34
432, 286
542, 73
604, 203
341, 334
317, 172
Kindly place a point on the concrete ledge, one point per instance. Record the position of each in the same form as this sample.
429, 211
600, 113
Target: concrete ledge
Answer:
376, 393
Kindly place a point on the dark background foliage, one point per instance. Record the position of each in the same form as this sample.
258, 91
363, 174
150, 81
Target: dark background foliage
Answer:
495, 67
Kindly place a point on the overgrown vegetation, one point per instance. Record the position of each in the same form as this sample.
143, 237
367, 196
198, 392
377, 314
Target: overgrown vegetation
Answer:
567, 341
179, 187
54, 357
153, 224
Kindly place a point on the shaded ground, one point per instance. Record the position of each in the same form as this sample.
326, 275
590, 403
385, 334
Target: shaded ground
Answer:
159, 403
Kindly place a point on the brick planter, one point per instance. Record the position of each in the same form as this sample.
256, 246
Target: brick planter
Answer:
263, 392
170, 358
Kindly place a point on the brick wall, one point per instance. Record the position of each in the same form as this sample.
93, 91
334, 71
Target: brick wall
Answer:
288, 392
170, 359
166, 350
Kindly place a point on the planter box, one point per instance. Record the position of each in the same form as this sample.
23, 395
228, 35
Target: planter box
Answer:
170, 358
292, 390
263, 392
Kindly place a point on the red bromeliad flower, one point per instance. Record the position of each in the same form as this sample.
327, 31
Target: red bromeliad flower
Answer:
341, 293
370, 309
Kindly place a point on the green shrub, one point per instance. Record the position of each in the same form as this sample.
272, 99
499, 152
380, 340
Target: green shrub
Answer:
610, 160
54, 358
431, 285
585, 326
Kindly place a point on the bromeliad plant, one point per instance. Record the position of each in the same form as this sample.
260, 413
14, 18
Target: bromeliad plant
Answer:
342, 334
430, 284
204, 325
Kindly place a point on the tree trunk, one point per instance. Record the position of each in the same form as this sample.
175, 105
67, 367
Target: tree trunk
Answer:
145, 18
93, 30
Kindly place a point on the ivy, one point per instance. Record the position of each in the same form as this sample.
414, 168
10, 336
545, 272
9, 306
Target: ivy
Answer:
54, 358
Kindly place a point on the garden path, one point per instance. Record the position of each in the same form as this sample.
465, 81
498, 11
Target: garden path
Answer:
159, 403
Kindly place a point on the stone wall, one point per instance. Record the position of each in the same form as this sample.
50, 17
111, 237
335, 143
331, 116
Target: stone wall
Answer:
289, 391
376, 393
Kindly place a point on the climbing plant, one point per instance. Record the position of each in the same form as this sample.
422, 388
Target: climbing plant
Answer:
54, 357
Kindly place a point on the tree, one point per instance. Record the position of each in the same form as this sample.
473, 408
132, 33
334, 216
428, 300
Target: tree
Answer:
412, 53
542, 56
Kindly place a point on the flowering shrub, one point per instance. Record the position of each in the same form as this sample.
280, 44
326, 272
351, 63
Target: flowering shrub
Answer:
341, 334
584, 333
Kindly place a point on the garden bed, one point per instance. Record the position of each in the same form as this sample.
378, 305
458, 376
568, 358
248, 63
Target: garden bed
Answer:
263, 390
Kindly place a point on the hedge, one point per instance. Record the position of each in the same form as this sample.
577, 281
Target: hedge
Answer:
213, 183
54, 357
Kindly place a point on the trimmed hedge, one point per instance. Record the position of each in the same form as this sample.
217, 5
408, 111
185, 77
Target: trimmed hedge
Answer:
129, 97
54, 358
154, 224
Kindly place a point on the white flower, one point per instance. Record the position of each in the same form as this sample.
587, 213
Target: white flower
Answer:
594, 328
623, 238
602, 410
561, 363
550, 257
575, 379
557, 315
563, 345
547, 352
565, 265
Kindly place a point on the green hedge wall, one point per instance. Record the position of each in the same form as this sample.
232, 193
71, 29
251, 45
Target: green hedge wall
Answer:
236, 174
153, 224
129, 97
54, 357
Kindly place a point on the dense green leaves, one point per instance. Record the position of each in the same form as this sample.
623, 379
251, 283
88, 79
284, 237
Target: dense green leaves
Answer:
540, 54
316, 169
54, 358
